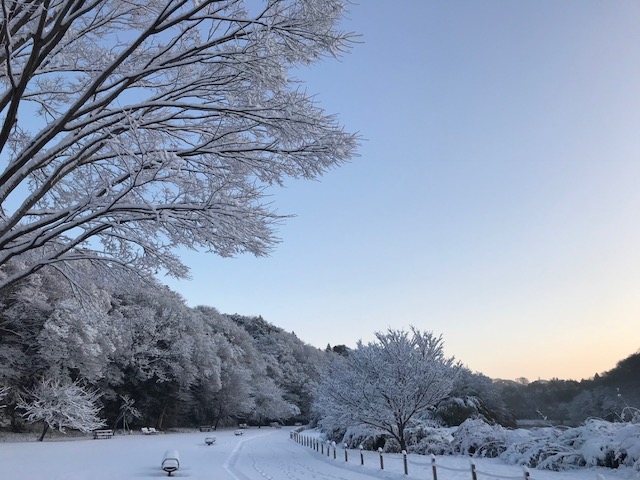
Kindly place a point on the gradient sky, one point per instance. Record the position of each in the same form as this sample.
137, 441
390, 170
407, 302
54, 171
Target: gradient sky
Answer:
496, 199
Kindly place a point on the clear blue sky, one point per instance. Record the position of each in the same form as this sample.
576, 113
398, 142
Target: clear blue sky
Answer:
496, 199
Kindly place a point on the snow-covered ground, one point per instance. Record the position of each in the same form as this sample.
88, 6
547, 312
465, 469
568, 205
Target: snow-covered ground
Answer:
258, 454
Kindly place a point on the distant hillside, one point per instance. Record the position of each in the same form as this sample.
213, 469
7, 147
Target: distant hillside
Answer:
613, 395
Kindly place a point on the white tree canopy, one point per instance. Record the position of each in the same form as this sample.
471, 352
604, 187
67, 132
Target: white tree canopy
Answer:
387, 383
62, 405
130, 128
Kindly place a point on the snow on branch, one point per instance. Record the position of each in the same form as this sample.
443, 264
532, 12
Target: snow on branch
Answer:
131, 128
62, 405
387, 383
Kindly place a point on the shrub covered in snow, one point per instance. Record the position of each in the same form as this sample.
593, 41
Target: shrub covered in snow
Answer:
597, 443
542, 449
429, 440
477, 438
370, 438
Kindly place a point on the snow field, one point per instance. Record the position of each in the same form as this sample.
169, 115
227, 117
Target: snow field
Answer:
259, 454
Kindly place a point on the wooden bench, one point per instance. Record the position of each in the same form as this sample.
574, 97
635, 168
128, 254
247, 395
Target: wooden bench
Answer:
149, 431
210, 440
97, 434
206, 428
170, 461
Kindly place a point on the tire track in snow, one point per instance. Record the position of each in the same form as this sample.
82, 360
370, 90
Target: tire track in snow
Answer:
230, 464
290, 467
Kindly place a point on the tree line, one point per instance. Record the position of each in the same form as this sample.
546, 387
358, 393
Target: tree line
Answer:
179, 365
612, 395
147, 359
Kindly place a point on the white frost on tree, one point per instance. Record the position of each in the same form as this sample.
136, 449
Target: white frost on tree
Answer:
387, 383
127, 413
270, 403
76, 338
131, 128
62, 405
4, 391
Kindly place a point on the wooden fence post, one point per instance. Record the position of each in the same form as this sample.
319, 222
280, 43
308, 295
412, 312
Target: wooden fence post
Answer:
346, 454
381, 459
404, 459
474, 475
434, 470
361, 455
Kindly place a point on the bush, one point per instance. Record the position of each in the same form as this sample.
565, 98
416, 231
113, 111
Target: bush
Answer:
479, 439
368, 437
597, 443
391, 445
427, 438
543, 452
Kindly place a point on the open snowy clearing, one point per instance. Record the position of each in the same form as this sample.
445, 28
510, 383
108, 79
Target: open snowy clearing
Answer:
258, 454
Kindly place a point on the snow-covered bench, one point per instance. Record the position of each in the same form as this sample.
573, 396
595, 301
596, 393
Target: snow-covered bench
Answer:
238, 432
149, 431
206, 428
97, 434
210, 440
170, 461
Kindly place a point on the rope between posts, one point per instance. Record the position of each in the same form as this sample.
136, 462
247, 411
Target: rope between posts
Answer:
453, 469
493, 475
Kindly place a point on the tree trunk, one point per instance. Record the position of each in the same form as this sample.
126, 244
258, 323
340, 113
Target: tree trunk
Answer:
161, 416
115, 424
15, 426
44, 432
401, 440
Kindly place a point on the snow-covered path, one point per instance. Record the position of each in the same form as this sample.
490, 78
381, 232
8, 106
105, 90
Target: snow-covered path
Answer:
258, 454
270, 458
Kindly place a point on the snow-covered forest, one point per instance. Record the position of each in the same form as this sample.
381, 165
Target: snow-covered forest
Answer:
179, 365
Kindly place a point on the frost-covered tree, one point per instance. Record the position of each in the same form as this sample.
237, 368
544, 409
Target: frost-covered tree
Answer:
292, 365
128, 412
62, 405
387, 383
270, 403
474, 396
131, 128
154, 344
75, 340
230, 401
